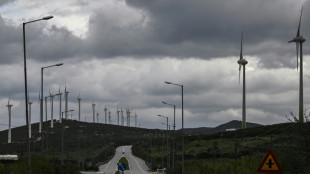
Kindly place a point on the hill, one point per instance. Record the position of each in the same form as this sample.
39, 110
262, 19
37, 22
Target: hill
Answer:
234, 124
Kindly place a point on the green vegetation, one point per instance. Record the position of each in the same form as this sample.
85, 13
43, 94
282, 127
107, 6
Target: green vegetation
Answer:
38, 166
125, 161
237, 152
86, 145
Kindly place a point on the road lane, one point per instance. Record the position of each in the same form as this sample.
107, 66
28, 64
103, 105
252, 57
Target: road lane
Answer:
136, 165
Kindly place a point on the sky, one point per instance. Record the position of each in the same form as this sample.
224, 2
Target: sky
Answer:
119, 53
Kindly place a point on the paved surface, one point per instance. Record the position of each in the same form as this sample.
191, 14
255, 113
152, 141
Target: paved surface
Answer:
136, 165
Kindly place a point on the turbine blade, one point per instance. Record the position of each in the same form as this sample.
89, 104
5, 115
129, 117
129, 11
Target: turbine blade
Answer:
297, 48
241, 55
239, 72
298, 31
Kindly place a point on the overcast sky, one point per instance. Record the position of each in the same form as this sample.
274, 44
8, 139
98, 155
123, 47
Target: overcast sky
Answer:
119, 53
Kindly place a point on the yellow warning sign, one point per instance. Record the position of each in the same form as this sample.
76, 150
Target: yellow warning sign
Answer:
269, 164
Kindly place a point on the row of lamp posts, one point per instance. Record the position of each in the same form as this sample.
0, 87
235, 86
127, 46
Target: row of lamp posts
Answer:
182, 130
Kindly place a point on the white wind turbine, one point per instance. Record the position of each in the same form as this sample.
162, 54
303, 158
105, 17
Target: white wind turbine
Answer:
299, 40
9, 109
242, 62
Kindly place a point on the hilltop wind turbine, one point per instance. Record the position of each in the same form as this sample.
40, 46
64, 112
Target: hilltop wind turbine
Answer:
9, 109
136, 119
59, 93
66, 104
94, 111
110, 121
105, 114
97, 117
128, 118
52, 109
299, 40
79, 100
242, 62
122, 115
117, 112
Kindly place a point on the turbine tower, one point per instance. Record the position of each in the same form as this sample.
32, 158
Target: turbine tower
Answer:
9, 109
136, 119
66, 104
94, 111
122, 115
242, 62
59, 95
299, 40
117, 112
128, 118
110, 121
52, 109
29, 105
97, 117
105, 114
79, 101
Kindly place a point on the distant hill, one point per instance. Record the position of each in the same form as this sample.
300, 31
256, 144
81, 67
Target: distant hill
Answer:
234, 124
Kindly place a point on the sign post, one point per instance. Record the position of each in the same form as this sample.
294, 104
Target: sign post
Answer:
269, 164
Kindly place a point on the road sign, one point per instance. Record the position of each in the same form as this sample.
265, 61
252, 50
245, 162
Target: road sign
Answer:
269, 164
122, 167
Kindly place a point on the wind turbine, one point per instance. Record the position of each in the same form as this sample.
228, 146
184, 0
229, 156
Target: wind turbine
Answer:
242, 62
52, 109
94, 111
110, 121
117, 116
122, 115
299, 40
97, 117
136, 119
9, 109
105, 114
59, 93
79, 100
66, 104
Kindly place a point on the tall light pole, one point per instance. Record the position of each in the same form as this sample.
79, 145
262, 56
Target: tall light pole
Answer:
169, 83
26, 88
62, 136
41, 99
173, 132
166, 138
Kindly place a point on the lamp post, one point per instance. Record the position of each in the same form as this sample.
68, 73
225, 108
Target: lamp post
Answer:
25, 76
169, 83
173, 132
166, 138
41, 100
62, 136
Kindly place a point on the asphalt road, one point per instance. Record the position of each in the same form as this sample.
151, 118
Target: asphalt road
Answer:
136, 165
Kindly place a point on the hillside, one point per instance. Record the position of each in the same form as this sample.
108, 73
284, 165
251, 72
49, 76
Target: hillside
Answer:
234, 124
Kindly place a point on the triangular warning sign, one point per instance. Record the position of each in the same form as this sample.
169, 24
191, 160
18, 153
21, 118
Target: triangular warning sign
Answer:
269, 164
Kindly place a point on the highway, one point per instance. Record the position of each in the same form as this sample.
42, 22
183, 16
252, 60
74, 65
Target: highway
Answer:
136, 165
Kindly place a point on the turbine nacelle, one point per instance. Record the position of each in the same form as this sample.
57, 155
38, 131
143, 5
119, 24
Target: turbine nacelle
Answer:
242, 62
298, 39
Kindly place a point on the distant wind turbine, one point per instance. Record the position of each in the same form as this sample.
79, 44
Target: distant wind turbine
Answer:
52, 109
117, 112
66, 104
242, 62
79, 101
9, 109
299, 40
105, 114
59, 95
122, 116
94, 111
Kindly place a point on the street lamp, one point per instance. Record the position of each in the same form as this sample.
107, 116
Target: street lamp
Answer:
169, 83
26, 90
62, 136
166, 138
41, 99
173, 131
